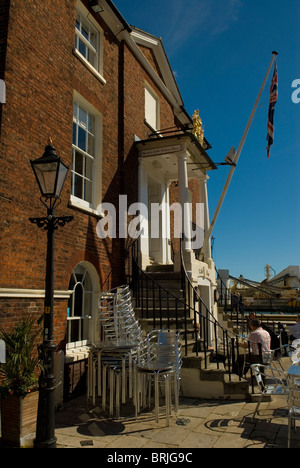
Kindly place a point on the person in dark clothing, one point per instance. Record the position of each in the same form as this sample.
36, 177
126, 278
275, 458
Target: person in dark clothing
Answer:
235, 302
275, 339
241, 305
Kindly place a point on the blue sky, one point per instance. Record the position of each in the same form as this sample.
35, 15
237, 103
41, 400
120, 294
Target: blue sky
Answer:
220, 51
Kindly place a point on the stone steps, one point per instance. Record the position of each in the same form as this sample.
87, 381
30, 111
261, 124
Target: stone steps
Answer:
201, 376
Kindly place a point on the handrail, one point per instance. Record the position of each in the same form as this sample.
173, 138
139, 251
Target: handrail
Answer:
218, 329
259, 288
223, 288
157, 285
151, 296
232, 357
263, 318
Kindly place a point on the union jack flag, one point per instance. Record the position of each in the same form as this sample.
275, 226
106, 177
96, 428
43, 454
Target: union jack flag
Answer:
273, 100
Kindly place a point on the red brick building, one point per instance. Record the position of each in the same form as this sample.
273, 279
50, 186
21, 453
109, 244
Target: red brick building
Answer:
99, 88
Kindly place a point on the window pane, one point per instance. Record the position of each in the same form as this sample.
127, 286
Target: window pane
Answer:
91, 145
87, 285
85, 30
78, 301
78, 186
79, 163
91, 124
70, 302
92, 58
151, 107
89, 168
82, 48
82, 117
82, 139
93, 39
88, 191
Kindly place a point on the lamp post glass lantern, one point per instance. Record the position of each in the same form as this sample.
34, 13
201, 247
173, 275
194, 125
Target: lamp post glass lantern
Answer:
50, 173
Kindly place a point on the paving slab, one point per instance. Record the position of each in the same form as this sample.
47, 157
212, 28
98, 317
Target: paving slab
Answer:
198, 424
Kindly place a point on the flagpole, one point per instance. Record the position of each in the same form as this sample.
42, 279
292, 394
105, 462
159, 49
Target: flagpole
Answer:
237, 156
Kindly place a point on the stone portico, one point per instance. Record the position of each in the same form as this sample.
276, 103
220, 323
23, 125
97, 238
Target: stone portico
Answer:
178, 158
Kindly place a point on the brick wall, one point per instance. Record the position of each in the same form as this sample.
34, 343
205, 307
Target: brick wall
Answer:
41, 73
37, 66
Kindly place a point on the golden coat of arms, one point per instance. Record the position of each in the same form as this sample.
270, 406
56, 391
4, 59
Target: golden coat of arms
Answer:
198, 129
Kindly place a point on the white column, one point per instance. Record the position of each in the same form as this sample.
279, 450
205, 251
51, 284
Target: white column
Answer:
168, 224
183, 192
205, 227
143, 198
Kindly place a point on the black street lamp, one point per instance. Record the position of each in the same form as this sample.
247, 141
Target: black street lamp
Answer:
50, 173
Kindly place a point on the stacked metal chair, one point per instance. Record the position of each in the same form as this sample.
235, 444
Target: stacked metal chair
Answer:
271, 381
112, 360
295, 348
160, 363
293, 380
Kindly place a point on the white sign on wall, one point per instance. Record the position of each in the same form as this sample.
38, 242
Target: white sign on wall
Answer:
2, 352
2, 92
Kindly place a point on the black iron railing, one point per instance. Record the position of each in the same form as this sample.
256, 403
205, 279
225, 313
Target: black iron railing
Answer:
242, 316
153, 301
216, 342
202, 333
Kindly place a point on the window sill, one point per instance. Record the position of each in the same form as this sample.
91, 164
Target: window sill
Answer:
77, 203
89, 66
77, 354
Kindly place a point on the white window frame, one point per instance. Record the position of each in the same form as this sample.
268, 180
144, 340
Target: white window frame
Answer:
84, 317
77, 202
155, 126
83, 14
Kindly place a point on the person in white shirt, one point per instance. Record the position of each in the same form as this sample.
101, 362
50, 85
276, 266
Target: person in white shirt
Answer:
260, 343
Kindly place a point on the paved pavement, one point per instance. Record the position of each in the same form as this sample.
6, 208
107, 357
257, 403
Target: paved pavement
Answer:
199, 424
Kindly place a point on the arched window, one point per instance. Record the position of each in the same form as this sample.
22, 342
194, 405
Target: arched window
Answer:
80, 307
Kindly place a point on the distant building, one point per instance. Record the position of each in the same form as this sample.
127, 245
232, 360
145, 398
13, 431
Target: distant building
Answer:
288, 280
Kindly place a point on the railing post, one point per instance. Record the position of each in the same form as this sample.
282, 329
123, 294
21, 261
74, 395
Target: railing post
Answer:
216, 344
230, 369
160, 307
233, 356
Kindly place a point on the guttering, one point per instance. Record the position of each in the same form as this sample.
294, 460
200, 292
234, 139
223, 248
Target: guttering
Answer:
119, 15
